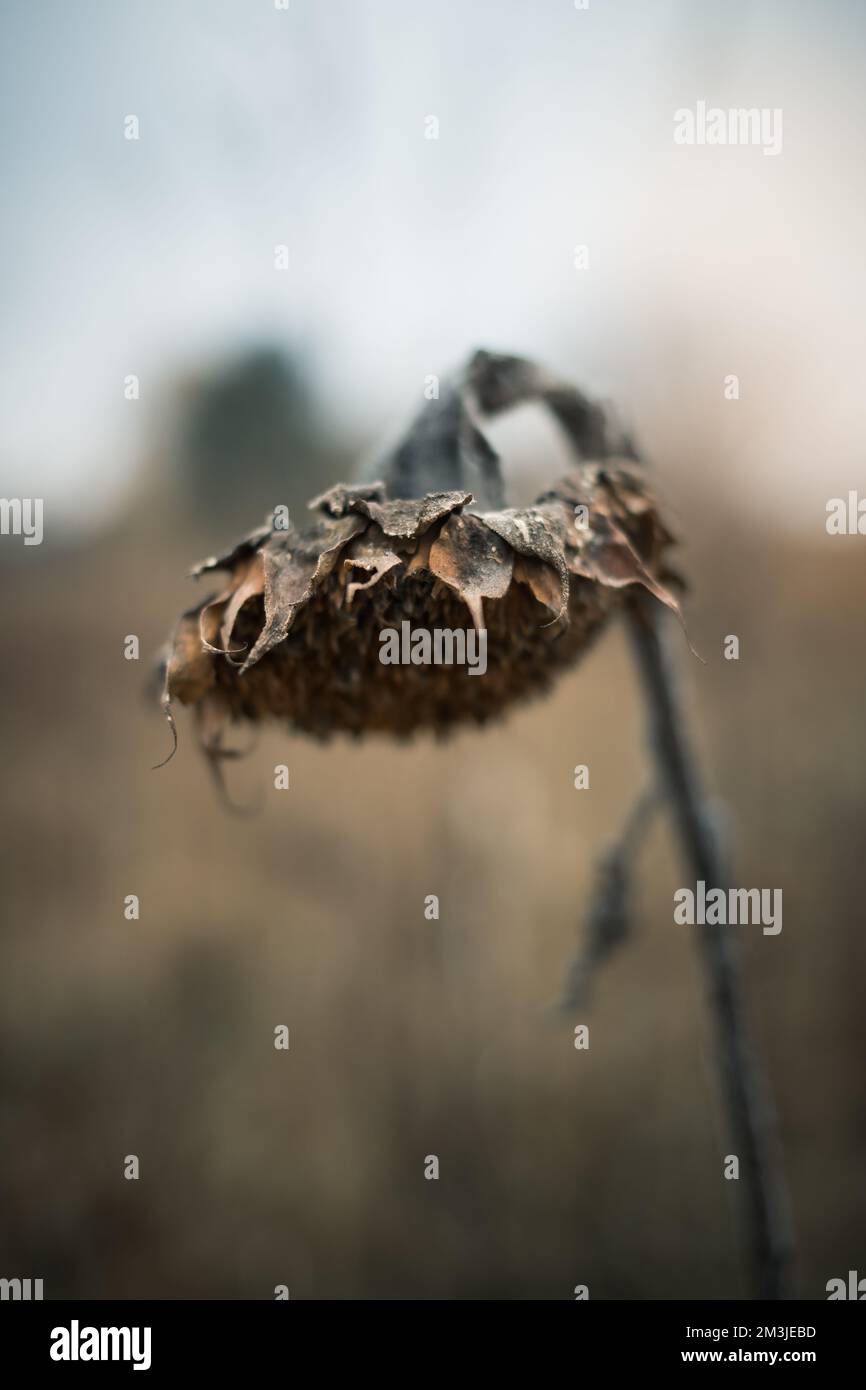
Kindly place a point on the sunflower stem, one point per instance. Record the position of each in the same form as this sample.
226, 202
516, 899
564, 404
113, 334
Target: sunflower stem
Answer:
746, 1095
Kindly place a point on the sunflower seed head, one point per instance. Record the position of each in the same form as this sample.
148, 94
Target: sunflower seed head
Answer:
295, 634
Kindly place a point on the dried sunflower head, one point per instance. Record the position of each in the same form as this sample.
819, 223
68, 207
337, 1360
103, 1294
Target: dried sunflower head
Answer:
296, 634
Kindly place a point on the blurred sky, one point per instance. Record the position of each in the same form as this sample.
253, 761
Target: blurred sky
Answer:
306, 127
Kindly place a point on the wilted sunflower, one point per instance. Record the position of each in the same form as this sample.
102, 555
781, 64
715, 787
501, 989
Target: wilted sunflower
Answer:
295, 634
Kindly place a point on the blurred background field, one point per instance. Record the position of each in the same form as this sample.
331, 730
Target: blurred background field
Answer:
411, 1037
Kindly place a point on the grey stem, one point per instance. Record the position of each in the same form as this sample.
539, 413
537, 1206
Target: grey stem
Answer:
445, 450
749, 1106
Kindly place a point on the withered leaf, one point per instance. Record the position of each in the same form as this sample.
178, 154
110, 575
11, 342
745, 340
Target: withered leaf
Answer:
539, 533
406, 518
473, 561
369, 553
294, 566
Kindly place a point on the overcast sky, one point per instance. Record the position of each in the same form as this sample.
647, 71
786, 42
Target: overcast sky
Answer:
307, 127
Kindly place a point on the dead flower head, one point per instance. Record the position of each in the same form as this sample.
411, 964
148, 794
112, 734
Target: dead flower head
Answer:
294, 635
